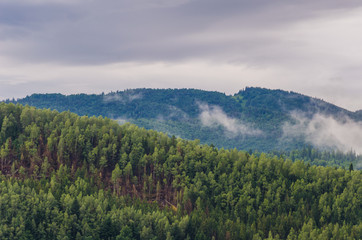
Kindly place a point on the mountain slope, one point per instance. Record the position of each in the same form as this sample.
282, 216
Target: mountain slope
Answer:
254, 118
70, 177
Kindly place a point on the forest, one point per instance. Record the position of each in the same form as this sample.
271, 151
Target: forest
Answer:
177, 112
65, 176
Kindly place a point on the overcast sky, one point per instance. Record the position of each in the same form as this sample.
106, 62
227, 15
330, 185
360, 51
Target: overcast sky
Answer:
86, 46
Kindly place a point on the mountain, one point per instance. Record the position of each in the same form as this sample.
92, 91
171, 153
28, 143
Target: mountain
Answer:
358, 114
254, 118
63, 176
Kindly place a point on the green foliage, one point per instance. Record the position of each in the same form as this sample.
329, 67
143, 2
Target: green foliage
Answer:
70, 177
177, 111
314, 156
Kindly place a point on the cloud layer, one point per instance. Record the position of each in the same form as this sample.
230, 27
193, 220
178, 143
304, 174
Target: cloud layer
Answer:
214, 116
95, 32
327, 132
312, 47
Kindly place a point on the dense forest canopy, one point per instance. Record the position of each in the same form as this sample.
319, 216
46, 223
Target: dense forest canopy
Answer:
70, 177
253, 119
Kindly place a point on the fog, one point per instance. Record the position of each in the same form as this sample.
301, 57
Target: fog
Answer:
324, 131
214, 116
123, 98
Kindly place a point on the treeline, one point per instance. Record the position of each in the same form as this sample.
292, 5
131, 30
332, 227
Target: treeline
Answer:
71, 177
177, 112
333, 158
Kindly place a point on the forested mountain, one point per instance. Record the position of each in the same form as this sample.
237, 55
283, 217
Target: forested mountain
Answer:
254, 118
70, 177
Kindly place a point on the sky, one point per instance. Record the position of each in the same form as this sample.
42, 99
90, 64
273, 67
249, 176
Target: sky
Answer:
313, 47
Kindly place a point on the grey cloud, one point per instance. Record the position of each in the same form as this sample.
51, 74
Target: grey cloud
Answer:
324, 131
293, 45
99, 32
214, 116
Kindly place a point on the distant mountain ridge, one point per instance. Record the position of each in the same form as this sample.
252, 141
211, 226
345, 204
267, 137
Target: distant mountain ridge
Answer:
253, 118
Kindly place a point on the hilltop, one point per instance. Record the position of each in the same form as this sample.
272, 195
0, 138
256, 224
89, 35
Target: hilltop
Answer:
254, 118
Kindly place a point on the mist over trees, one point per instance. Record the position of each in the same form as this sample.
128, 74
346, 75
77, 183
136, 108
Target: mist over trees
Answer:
70, 177
254, 118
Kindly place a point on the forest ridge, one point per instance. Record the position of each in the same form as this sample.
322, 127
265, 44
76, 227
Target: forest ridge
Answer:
254, 119
71, 177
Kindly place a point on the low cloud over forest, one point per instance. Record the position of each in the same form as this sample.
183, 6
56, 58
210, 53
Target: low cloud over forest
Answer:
214, 116
324, 131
